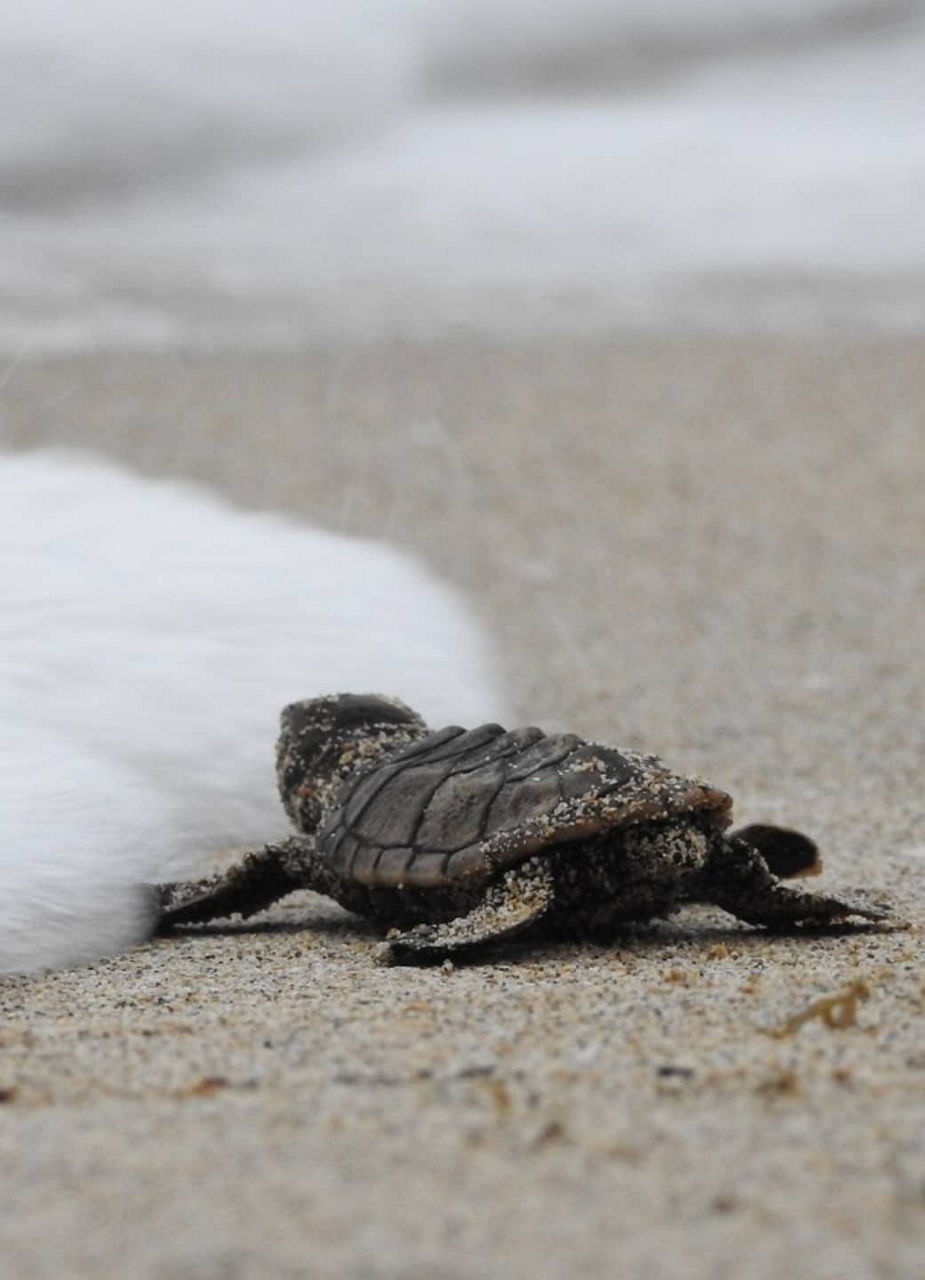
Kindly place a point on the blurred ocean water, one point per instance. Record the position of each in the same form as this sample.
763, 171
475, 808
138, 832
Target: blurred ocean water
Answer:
214, 171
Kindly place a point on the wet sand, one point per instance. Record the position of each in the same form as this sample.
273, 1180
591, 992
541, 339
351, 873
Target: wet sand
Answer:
708, 548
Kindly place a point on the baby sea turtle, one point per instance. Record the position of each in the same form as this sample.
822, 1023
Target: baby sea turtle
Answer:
459, 838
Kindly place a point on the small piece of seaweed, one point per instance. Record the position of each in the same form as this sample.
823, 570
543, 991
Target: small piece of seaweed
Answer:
837, 1011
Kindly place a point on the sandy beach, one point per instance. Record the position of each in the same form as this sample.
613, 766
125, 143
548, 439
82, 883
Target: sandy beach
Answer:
710, 548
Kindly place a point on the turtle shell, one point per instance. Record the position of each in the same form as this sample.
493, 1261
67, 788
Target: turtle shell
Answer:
462, 805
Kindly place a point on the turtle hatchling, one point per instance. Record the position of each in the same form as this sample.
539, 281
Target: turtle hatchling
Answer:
458, 838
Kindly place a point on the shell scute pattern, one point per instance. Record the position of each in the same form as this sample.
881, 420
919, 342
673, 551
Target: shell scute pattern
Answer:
368, 787
518, 802
601, 788
390, 833
392, 866
458, 805
546, 752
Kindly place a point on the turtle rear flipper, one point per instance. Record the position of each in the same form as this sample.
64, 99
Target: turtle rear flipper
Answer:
509, 906
788, 853
737, 879
783, 909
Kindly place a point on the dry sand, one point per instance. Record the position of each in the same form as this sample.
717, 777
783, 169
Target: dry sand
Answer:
710, 548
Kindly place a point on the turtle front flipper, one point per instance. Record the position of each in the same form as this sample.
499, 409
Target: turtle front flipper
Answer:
737, 879
515, 902
256, 881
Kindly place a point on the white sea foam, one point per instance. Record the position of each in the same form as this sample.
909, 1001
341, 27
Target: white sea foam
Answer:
149, 637
202, 171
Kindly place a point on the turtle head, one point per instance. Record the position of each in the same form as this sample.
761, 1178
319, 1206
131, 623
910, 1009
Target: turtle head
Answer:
325, 742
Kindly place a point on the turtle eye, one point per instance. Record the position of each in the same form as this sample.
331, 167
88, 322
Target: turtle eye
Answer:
304, 807
300, 760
